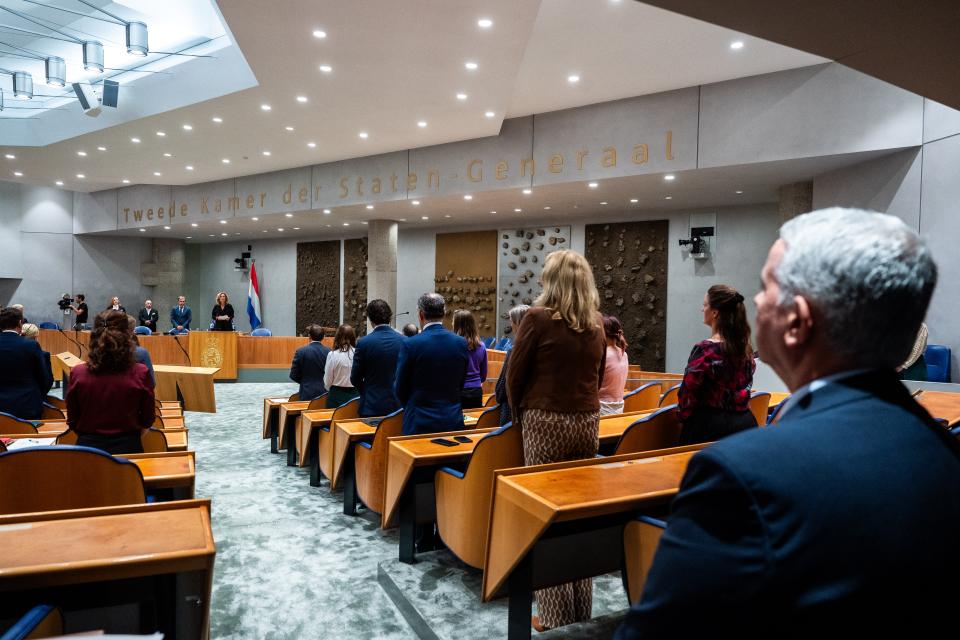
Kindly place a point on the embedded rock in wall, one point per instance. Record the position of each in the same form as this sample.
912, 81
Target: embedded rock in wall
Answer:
629, 263
355, 284
522, 252
318, 284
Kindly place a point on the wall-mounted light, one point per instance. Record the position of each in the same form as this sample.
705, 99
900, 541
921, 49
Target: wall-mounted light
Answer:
93, 56
56, 71
137, 39
22, 85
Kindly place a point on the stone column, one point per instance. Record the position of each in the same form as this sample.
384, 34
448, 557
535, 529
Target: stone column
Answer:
382, 261
795, 199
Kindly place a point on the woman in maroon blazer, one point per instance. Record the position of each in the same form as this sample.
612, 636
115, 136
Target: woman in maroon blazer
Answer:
110, 397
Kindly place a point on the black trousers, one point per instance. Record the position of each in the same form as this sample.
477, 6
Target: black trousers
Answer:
708, 424
120, 443
471, 397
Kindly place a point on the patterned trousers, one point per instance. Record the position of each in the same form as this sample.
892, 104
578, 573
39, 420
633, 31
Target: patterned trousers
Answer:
550, 436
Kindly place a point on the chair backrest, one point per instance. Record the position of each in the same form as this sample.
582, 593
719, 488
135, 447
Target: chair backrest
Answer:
670, 396
294, 397
370, 462
347, 411
773, 413
50, 412
643, 398
260, 331
937, 357
12, 425
659, 430
142, 331
491, 401
59, 403
42, 621
489, 419
66, 477
759, 406
48, 325
153, 441
68, 437
320, 402
640, 540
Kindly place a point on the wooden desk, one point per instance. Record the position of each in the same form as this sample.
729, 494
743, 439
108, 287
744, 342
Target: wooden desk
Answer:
943, 405
173, 471
193, 386
544, 517
215, 350
306, 432
87, 558
286, 420
271, 409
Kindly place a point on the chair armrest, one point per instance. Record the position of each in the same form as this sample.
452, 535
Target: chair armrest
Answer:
452, 472
365, 445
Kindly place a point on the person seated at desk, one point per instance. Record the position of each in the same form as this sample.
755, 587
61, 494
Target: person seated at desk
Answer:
714, 397
140, 354
82, 312
336, 372
431, 372
148, 316
25, 372
222, 314
180, 317
842, 518
410, 330
375, 363
309, 364
110, 397
115, 305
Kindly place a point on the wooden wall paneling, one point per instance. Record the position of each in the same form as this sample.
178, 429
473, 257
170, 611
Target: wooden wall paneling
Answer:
629, 263
318, 283
466, 274
267, 352
521, 253
355, 284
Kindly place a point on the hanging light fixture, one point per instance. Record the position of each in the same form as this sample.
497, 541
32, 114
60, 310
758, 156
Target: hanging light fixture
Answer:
137, 39
93, 56
22, 85
56, 71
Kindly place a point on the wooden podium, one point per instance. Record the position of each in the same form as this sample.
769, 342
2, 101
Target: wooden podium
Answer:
215, 349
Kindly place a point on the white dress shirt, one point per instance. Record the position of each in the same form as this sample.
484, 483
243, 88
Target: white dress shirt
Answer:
337, 371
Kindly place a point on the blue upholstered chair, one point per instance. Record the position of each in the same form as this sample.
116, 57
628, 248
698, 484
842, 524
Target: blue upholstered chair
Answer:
643, 398
260, 331
659, 430
370, 462
12, 425
48, 325
760, 406
489, 419
463, 497
670, 395
349, 410
488, 342
937, 357
775, 411
142, 331
42, 621
640, 540
501, 344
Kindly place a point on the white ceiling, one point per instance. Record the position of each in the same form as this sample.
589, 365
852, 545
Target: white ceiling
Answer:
394, 64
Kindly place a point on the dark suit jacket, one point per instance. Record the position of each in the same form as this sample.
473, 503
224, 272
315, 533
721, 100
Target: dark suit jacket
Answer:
374, 370
148, 318
25, 376
843, 516
309, 361
431, 371
181, 319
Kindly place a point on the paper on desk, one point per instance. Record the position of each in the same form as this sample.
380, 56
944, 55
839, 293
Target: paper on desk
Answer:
23, 443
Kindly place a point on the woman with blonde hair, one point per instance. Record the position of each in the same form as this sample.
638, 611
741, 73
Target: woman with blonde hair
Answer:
336, 372
222, 314
465, 326
556, 369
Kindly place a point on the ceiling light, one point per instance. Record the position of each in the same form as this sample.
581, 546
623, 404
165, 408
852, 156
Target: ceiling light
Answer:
189, 167
266, 153
101, 148
288, 128
546, 208
738, 192
422, 124
81, 176
56, 71
484, 23
415, 203
401, 220
167, 155
489, 114
157, 173
573, 79
493, 212
265, 107
471, 66
461, 96
288, 215
363, 135
634, 200
223, 222
325, 68
142, 230
317, 33
93, 56
137, 39
518, 210
211, 235
592, 185
224, 234
188, 127
264, 230
59, 183
326, 211
217, 119
446, 215
668, 198
527, 192
279, 228
18, 174
603, 203
125, 181
166, 228
346, 224
194, 225
161, 134
468, 197
296, 228
424, 217
135, 140
82, 154
736, 45
312, 145
369, 206
225, 161
301, 98
669, 177
10, 156
255, 219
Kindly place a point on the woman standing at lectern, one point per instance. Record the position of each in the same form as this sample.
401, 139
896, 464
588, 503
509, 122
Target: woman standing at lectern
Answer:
222, 314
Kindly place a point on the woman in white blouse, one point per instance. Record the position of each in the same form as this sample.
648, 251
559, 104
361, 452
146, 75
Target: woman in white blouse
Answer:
336, 375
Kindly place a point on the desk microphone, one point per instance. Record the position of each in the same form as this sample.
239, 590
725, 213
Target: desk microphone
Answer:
76, 342
402, 313
185, 352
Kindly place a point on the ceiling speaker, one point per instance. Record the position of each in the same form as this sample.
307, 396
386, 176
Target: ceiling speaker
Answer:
111, 93
88, 99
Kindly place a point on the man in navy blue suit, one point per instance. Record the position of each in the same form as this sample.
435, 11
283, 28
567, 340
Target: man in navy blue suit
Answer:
309, 362
25, 376
375, 363
843, 517
180, 316
430, 373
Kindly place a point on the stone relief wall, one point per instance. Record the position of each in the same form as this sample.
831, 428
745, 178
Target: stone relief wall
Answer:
466, 273
355, 284
318, 284
629, 262
521, 255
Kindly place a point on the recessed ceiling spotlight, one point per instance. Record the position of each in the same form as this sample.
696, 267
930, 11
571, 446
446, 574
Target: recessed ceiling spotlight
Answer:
363, 135
279, 228
161, 134
573, 78
81, 176
489, 114
424, 217
217, 119
468, 197
461, 96
517, 210
401, 220
288, 128
194, 225
188, 127
527, 192
603, 203
125, 181
415, 203
167, 155
59, 183
10, 156
369, 206
592, 185
288, 215
265, 107
422, 124
738, 192
266, 153
101, 148
447, 215
312, 145
634, 201
326, 211
18, 174
143, 230
365, 222
211, 235
189, 237
224, 234
493, 212
736, 45
325, 68
668, 198
546, 208
225, 161
255, 219
82, 154
296, 228
346, 224
319, 34
669, 177
484, 23
189, 167
157, 173
223, 222
301, 98
470, 66
135, 140
166, 228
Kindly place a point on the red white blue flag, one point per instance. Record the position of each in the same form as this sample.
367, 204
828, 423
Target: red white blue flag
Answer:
253, 298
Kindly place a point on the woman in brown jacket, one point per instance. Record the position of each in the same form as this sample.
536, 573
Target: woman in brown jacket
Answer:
556, 368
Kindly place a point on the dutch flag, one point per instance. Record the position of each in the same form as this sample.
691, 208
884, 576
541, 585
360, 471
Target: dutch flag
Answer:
253, 298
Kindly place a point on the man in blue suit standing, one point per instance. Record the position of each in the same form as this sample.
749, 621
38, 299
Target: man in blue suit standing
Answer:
309, 362
430, 373
842, 518
375, 363
180, 316
25, 376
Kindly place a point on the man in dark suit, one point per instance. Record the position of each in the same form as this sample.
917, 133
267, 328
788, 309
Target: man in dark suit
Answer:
375, 363
25, 375
180, 316
842, 518
309, 361
431, 371
148, 316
